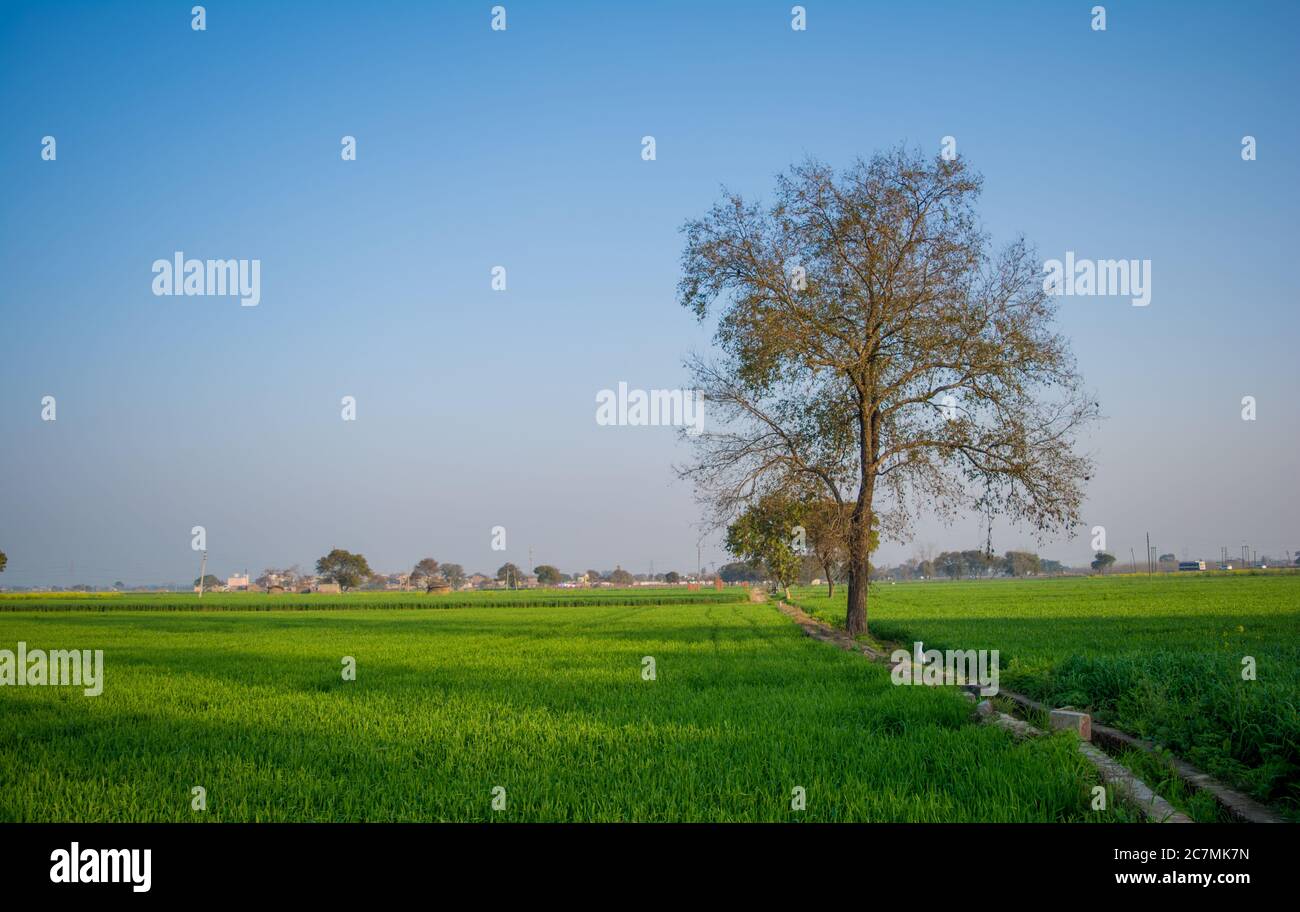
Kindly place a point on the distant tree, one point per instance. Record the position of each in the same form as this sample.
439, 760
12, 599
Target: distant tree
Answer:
764, 534
740, 572
673, 577
548, 575
427, 573
1102, 561
620, 577
949, 564
1021, 563
510, 575
594, 576
976, 562
209, 582
3, 560
1168, 558
288, 577
827, 523
1052, 566
455, 575
343, 567
119, 585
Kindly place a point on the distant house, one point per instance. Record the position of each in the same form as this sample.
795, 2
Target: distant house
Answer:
328, 588
237, 583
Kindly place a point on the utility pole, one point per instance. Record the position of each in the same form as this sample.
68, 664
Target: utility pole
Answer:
699, 566
1148, 554
1133, 558
203, 566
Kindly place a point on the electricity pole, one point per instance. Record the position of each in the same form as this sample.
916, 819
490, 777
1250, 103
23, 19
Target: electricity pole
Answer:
203, 566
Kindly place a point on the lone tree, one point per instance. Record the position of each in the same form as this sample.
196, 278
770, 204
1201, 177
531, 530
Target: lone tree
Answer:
509, 574
872, 343
548, 575
344, 567
426, 573
455, 575
1102, 560
3, 560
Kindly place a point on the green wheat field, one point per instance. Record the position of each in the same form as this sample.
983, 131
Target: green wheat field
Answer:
540, 700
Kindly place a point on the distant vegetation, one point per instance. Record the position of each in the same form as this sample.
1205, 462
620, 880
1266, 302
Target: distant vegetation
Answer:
256, 601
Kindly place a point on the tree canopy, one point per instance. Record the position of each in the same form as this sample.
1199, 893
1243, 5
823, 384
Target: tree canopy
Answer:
872, 344
344, 567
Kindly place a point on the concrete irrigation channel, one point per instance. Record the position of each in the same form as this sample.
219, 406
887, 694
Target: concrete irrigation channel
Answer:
1240, 807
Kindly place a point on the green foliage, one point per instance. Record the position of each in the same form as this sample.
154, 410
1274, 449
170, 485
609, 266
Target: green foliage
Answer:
1021, 563
740, 572
548, 575
765, 534
454, 574
3, 561
509, 574
344, 567
1102, 560
427, 573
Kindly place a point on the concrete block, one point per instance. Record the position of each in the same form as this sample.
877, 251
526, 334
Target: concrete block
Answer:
1077, 722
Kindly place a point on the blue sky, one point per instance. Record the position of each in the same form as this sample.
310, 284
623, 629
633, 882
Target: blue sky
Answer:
522, 148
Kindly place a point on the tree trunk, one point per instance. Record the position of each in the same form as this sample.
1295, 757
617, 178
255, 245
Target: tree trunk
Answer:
856, 619
829, 570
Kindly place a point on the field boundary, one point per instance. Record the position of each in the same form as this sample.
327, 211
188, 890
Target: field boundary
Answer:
1240, 806
1236, 804
1157, 808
